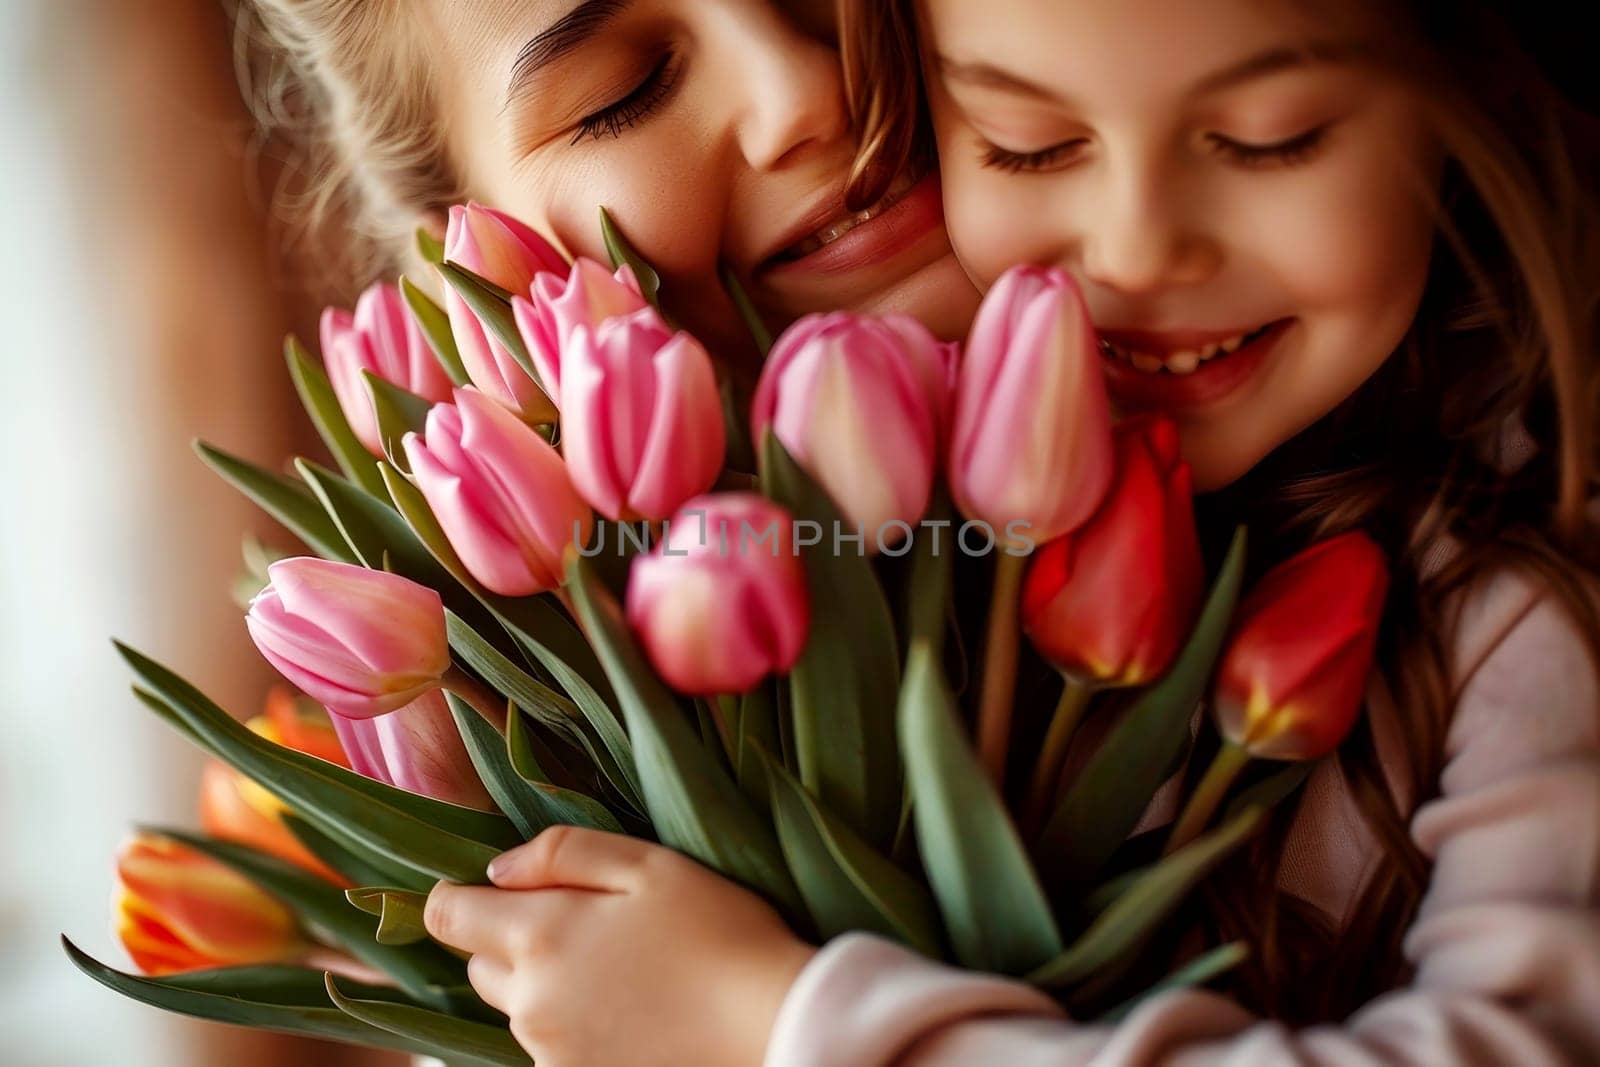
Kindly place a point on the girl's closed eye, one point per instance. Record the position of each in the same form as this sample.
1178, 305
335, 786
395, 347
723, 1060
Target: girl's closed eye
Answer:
634, 106
1290, 152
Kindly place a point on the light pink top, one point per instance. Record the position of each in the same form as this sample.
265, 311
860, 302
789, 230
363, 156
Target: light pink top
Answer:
1506, 943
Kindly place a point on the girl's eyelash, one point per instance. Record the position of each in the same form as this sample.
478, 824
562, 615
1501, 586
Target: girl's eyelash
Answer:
637, 105
1015, 162
1286, 153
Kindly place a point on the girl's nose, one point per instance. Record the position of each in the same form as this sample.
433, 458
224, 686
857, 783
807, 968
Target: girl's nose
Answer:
1138, 239
789, 89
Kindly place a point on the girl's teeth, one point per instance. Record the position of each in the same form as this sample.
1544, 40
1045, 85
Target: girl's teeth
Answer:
1183, 362
1207, 351
1232, 343
1146, 362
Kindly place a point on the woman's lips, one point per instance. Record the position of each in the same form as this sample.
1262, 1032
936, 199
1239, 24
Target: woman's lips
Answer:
1132, 389
917, 213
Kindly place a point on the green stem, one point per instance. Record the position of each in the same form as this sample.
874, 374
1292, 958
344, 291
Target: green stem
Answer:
1225, 767
1000, 667
1063, 724
725, 709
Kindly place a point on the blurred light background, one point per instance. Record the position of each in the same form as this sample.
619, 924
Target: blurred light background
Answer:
143, 306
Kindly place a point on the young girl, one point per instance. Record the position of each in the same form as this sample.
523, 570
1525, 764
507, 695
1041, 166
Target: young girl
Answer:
1348, 247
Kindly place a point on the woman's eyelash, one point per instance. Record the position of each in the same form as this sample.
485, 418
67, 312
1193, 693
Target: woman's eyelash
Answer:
641, 100
1286, 153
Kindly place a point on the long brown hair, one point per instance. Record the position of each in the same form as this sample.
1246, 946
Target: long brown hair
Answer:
1502, 352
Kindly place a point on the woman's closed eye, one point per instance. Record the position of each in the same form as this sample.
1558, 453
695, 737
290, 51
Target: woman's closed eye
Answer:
635, 106
1291, 152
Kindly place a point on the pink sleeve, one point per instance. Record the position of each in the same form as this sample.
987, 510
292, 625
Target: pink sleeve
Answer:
1506, 942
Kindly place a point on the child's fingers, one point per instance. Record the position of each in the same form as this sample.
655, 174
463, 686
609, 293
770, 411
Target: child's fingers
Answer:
491, 979
574, 857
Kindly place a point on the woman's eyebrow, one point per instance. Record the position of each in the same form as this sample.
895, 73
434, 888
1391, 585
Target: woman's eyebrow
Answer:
1272, 61
567, 33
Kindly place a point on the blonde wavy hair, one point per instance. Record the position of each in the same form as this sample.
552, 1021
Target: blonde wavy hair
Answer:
343, 90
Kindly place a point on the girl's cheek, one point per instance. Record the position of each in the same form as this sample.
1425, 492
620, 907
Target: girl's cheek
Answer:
991, 218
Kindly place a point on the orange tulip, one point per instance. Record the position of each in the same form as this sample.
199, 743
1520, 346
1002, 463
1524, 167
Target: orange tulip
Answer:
234, 808
179, 910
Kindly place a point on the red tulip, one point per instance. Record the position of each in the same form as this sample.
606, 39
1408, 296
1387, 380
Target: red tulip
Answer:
1292, 679
1112, 602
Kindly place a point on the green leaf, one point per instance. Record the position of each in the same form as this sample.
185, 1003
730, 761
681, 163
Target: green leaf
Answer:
424, 972
285, 499
1196, 972
399, 412
847, 885
1124, 927
459, 1041
429, 247
694, 806
994, 910
550, 708
620, 251
757, 728
492, 306
444, 840
287, 1000
556, 805
435, 324
399, 913
322, 404
357, 862
844, 685
1112, 791
531, 809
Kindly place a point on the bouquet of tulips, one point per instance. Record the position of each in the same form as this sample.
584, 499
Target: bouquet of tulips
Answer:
560, 577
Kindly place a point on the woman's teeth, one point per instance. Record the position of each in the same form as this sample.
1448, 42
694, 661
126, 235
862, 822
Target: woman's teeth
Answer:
845, 223
1185, 362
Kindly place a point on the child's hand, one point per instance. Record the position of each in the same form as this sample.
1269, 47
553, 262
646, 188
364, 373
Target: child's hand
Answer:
606, 950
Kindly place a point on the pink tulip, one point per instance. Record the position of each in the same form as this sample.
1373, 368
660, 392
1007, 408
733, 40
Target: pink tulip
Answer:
418, 749
381, 337
641, 425
500, 492
1032, 438
362, 642
497, 248
862, 404
586, 296
722, 601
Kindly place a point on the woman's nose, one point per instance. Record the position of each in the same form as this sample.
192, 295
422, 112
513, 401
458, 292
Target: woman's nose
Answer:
789, 88
1138, 238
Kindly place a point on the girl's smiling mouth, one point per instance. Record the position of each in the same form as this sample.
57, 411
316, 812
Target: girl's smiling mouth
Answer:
1177, 370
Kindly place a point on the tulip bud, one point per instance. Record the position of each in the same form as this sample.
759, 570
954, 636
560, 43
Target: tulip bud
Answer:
1113, 601
381, 337
418, 749
233, 807
1032, 437
500, 492
561, 302
721, 602
362, 642
862, 404
180, 910
499, 249
1292, 679
641, 426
